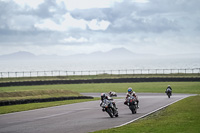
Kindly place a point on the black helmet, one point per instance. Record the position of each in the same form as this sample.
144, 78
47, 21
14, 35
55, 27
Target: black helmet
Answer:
103, 96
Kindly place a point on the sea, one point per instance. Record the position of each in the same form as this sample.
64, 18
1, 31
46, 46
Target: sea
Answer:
91, 66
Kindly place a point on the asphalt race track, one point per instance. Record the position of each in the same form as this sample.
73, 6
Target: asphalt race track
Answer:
81, 117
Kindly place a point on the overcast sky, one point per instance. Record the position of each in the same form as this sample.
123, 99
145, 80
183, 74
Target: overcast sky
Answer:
65, 27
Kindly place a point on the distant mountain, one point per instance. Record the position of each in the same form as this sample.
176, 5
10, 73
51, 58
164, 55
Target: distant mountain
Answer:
114, 54
23, 55
49, 57
118, 53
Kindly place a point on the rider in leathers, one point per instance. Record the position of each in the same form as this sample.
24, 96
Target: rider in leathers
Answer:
169, 88
103, 96
131, 93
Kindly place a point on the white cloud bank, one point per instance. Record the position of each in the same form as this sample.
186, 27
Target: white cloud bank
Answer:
142, 26
67, 22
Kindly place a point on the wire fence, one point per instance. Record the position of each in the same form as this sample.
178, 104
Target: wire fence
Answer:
98, 72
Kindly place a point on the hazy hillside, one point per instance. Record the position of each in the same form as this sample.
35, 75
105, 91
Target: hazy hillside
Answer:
21, 55
114, 54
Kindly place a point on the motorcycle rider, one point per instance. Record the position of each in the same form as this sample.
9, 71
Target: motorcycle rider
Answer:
103, 96
110, 93
168, 87
131, 93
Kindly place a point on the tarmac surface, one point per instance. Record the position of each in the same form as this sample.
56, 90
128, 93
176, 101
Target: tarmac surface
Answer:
82, 117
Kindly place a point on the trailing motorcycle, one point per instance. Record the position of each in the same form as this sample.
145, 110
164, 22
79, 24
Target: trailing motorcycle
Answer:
109, 108
112, 94
168, 92
131, 102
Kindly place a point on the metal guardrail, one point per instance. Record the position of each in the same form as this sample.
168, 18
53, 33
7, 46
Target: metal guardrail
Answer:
98, 72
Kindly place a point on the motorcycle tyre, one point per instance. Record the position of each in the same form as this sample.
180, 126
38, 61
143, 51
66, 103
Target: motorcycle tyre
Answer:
108, 110
133, 109
117, 114
168, 94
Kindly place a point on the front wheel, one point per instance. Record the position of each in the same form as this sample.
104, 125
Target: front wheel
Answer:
116, 115
169, 94
133, 109
108, 110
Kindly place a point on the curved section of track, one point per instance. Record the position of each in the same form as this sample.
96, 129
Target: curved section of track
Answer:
81, 117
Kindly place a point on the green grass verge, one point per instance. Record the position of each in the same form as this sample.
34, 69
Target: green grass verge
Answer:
36, 94
181, 117
31, 106
154, 87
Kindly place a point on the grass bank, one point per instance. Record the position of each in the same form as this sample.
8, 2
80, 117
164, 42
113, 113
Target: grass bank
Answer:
154, 87
181, 117
36, 94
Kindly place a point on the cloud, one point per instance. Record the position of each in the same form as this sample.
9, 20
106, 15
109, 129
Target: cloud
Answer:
64, 23
32, 4
150, 26
74, 40
95, 25
87, 4
67, 22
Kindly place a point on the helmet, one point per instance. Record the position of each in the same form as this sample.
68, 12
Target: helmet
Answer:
129, 90
168, 85
103, 95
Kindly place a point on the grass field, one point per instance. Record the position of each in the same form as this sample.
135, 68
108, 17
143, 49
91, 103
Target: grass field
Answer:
36, 94
155, 87
181, 117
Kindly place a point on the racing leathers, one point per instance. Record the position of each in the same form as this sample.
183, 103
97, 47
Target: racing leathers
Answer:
134, 95
112, 102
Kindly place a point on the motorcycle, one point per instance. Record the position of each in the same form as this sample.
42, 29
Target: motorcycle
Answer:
131, 102
168, 92
109, 108
112, 94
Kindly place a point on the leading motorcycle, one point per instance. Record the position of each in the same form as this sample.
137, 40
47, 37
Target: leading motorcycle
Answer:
109, 108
